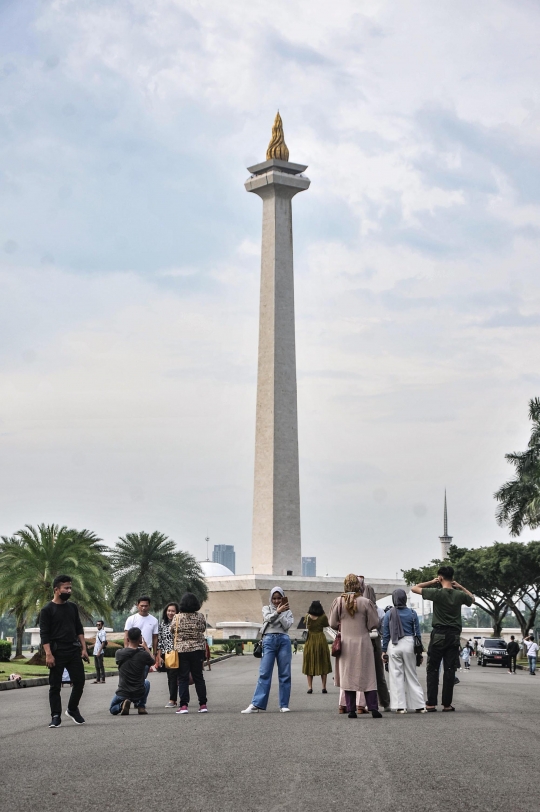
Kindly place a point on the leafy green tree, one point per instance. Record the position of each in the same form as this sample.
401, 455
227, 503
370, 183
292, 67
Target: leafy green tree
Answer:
469, 572
149, 564
504, 577
519, 498
32, 558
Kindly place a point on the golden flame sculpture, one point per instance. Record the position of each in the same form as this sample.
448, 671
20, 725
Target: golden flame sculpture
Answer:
277, 148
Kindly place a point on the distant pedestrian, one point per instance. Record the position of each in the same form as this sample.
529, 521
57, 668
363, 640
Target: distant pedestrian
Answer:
295, 646
133, 662
466, 657
354, 616
316, 660
513, 651
166, 645
448, 597
532, 651
99, 650
188, 629
277, 620
400, 626
62, 636
147, 623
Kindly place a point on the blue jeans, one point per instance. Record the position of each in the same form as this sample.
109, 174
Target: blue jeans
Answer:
138, 701
532, 665
275, 647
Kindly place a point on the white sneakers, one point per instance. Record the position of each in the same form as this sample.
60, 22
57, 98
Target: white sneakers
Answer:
251, 708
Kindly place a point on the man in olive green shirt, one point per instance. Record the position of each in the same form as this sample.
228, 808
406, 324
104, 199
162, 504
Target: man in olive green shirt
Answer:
448, 597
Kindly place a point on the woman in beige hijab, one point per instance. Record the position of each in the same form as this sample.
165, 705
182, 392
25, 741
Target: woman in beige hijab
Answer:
354, 616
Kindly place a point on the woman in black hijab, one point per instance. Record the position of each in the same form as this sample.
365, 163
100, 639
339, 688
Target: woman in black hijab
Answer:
400, 625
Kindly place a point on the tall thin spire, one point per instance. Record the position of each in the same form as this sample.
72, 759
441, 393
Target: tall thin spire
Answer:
445, 539
445, 515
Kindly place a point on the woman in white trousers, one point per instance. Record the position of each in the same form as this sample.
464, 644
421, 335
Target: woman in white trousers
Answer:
400, 625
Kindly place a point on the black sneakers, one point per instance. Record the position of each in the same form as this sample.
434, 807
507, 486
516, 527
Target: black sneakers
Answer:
76, 716
56, 721
126, 704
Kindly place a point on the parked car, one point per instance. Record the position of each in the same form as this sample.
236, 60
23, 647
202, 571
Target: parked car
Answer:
492, 650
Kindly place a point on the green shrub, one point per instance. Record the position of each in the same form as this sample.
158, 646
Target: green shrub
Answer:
5, 651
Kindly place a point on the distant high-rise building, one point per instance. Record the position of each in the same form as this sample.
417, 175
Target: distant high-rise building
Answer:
309, 566
445, 539
224, 554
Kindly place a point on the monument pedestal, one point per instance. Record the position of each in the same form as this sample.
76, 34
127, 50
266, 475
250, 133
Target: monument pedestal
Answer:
241, 597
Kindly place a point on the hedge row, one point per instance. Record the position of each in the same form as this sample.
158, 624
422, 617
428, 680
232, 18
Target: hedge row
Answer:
5, 651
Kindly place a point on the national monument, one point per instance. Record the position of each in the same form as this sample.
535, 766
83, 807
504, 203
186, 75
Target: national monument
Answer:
235, 601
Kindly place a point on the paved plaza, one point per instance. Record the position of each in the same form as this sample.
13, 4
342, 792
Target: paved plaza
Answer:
483, 757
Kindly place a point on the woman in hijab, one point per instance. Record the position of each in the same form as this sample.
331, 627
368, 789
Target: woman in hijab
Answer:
400, 625
354, 616
277, 619
316, 659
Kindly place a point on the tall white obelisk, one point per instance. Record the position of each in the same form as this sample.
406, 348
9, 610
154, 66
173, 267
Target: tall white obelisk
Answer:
276, 545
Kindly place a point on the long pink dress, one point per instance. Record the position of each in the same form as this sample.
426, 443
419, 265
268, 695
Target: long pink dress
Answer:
355, 667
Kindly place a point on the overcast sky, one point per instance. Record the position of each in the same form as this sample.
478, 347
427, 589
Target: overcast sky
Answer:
129, 265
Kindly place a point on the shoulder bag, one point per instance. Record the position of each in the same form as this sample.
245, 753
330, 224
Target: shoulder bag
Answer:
258, 647
336, 645
172, 659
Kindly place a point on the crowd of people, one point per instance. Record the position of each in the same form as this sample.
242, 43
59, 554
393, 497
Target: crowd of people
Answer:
376, 652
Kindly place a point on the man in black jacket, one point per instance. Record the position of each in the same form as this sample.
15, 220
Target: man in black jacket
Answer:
62, 636
513, 651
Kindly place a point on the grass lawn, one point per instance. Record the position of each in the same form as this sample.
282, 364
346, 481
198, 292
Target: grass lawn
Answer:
21, 667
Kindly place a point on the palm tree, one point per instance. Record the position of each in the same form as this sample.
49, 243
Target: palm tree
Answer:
150, 564
520, 497
32, 558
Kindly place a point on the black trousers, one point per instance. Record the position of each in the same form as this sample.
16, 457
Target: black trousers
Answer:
512, 662
100, 668
172, 678
382, 687
443, 647
191, 662
72, 660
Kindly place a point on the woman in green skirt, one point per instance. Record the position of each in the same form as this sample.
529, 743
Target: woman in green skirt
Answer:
316, 662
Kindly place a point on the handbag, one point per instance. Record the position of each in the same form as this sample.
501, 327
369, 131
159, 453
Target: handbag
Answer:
374, 634
258, 647
336, 645
418, 645
172, 659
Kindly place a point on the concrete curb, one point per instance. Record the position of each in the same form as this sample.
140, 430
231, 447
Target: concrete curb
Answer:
34, 682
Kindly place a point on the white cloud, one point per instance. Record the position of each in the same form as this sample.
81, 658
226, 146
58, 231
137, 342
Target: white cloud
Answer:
129, 265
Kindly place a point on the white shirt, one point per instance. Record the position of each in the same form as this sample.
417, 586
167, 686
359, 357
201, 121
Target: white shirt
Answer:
148, 625
101, 639
532, 648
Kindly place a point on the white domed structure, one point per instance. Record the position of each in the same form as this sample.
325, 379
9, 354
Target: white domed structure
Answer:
212, 569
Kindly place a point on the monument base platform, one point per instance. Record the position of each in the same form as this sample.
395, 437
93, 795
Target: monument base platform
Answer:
241, 597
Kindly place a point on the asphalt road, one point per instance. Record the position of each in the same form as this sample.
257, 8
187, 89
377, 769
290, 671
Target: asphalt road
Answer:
483, 757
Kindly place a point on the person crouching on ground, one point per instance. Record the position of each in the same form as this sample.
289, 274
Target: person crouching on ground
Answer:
188, 629
400, 625
278, 619
133, 662
354, 616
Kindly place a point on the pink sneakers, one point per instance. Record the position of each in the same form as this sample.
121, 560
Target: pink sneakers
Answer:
183, 709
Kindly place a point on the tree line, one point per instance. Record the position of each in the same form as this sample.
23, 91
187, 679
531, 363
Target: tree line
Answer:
505, 576
104, 579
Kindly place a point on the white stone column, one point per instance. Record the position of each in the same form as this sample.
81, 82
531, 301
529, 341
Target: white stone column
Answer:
276, 547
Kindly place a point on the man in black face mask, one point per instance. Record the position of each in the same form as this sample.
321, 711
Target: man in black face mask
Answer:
62, 636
